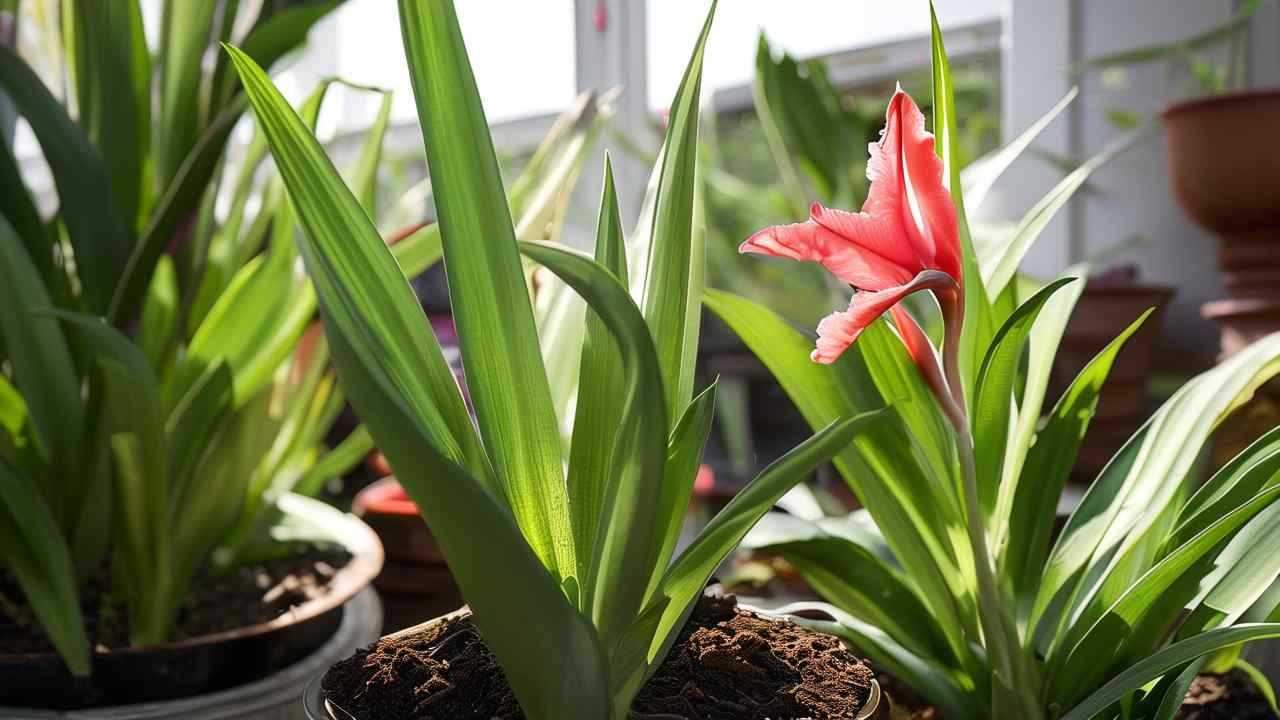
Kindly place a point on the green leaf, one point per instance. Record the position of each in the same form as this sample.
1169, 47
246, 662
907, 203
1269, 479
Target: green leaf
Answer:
999, 266
272, 38
1042, 350
160, 315
35, 551
336, 463
487, 290
993, 403
1174, 656
177, 202
674, 268
338, 246
1149, 605
187, 32
419, 251
18, 207
685, 579
1244, 570
1048, 465
851, 577
99, 236
364, 176
598, 417
113, 91
133, 412
1247, 473
684, 456
978, 328
1122, 509
980, 176
191, 424
630, 534
41, 362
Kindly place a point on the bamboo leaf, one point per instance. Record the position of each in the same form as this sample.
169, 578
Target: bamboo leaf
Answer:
491, 308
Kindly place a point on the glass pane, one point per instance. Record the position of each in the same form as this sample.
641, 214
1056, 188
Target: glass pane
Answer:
522, 55
804, 28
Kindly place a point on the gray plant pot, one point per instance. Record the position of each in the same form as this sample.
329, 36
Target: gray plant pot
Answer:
272, 698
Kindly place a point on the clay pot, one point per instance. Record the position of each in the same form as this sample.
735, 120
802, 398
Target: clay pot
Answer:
176, 679
415, 583
1225, 165
1243, 320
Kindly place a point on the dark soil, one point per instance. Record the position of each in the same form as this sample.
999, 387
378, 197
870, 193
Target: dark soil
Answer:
728, 664
243, 597
1232, 696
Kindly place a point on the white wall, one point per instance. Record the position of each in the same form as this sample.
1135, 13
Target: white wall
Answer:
1132, 193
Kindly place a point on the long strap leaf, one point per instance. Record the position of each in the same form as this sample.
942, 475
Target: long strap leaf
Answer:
674, 269
487, 289
99, 235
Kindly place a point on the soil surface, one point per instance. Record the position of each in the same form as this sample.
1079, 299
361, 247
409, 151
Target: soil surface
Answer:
727, 664
1232, 696
242, 597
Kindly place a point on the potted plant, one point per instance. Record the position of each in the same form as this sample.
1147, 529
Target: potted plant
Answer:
957, 588
147, 473
566, 577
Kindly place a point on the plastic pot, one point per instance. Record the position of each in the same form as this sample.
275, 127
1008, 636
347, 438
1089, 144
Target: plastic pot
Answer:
316, 707
415, 583
220, 675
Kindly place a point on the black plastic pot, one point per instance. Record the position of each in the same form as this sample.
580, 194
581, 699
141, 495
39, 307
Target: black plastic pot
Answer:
203, 664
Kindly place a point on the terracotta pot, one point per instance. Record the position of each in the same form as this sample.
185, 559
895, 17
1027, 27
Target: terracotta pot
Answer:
1225, 164
317, 707
415, 583
1243, 320
203, 665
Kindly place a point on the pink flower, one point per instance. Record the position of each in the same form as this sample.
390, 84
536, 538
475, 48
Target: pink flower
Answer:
904, 240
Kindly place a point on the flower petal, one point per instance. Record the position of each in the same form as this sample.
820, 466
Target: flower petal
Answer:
810, 241
926, 184
839, 330
921, 350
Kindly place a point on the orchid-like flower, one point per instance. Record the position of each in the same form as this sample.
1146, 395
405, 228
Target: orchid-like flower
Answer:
904, 240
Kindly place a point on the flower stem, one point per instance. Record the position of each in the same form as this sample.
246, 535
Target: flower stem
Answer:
1017, 698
